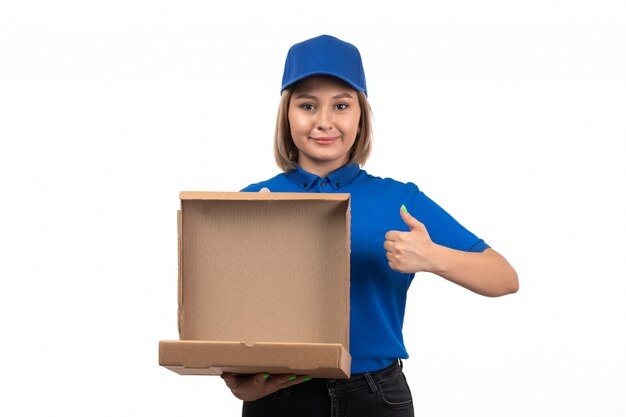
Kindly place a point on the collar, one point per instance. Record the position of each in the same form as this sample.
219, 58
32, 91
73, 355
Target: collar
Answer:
337, 179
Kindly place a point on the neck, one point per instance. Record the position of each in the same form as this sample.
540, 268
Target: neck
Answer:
321, 169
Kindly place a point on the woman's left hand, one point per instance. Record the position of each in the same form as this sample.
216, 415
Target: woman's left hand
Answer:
409, 252
486, 273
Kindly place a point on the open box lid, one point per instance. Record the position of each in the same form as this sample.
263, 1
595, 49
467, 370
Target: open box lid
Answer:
264, 268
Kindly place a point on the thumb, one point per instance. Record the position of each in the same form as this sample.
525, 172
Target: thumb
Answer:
409, 220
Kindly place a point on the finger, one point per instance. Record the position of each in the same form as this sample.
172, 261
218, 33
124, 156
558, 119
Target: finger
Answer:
264, 190
394, 263
389, 245
288, 380
409, 220
231, 380
392, 235
262, 377
280, 380
299, 380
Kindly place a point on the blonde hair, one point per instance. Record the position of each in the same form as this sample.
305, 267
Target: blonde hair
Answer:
285, 150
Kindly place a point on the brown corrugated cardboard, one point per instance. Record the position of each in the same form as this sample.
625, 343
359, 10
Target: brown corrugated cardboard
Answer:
195, 357
263, 284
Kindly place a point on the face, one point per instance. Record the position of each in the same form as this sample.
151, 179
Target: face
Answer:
324, 116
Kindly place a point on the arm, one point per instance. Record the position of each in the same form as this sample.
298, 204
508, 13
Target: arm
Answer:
487, 273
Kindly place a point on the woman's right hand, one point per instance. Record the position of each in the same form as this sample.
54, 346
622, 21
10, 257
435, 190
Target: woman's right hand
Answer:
253, 387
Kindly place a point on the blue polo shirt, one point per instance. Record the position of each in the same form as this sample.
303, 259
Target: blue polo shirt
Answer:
377, 293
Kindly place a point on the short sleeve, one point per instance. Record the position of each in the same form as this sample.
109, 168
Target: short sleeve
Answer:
444, 229
252, 188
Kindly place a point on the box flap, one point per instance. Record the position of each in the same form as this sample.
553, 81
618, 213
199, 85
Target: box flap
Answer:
249, 196
180, 273
347, 304
213, 358
262, 277
265, 270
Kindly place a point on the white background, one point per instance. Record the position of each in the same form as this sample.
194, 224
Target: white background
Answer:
511, 115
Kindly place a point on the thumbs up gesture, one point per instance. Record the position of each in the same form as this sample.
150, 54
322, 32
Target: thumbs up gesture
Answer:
409, 252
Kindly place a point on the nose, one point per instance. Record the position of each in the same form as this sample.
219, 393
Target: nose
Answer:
324, 121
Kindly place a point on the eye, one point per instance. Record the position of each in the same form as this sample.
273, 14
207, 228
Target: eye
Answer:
341, 106
307, 106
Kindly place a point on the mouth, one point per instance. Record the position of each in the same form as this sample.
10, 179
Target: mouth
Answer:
326, 140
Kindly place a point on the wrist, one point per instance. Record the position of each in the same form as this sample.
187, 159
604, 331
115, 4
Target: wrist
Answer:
437, 259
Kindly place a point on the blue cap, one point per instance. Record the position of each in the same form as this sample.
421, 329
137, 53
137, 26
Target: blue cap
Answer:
324, 55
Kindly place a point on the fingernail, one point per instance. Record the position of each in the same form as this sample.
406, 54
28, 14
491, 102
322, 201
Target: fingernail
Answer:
404, 209
266, 376
305, 379
292, 377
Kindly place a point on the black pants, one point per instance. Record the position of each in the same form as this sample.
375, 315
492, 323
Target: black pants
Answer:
384, 393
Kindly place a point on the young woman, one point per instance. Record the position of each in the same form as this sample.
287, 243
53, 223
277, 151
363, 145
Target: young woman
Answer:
323, 136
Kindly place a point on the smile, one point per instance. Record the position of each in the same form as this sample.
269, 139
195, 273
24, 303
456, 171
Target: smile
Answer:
325, 140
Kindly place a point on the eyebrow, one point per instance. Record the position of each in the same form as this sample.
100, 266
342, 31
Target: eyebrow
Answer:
310, 96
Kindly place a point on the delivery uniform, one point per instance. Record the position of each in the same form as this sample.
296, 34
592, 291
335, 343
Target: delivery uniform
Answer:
377, 293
